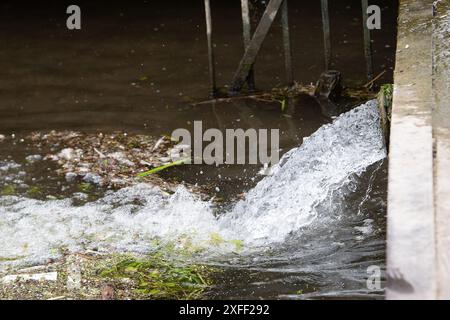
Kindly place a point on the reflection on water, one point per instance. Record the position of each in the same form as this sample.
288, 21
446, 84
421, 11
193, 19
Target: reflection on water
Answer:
134, 66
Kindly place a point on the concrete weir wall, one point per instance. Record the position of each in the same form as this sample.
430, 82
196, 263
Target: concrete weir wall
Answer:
418, 239
441, 135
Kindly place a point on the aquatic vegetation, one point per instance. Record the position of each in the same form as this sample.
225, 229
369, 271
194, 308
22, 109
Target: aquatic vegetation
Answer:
160, 278
163, 167
34, 192
283, 104
85, 187
281, 95
8, 190
385, 97
160, 275
9, 259
238, 244
217, 240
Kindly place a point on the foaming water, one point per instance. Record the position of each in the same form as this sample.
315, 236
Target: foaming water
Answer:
301, 192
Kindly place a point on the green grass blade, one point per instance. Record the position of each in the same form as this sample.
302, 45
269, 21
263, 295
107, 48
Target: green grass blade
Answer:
163, 167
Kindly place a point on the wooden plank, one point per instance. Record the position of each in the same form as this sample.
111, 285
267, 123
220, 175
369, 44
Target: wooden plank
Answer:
211, 59
367, 41
326, 33
254, 46
287, 43
247, 35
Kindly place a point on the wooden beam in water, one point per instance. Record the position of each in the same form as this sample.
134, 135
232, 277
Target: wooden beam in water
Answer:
367, 41
287, 43
326, 33
247, 35
211, 60
254, 46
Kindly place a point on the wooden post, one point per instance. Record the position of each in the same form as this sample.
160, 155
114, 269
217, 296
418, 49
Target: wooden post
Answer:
212, 67
255, 45
326, 33
247, 35
287, 43
367, 41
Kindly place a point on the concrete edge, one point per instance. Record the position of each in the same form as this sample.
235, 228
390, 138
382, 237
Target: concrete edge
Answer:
411, 252
441, 134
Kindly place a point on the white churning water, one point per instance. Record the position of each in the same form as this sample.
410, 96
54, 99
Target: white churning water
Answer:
129, 219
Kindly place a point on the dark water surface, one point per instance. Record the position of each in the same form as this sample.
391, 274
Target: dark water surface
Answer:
138, 66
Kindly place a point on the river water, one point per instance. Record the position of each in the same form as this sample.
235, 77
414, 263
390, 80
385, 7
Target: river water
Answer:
309, 231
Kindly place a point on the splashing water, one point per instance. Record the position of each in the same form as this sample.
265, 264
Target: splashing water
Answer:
307, 176
288, 201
